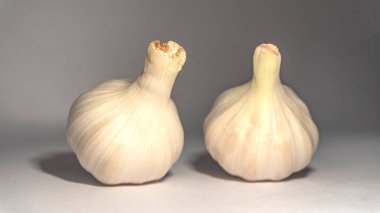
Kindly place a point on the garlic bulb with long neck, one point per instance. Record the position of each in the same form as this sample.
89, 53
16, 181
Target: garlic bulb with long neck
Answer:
261, 130
129, 132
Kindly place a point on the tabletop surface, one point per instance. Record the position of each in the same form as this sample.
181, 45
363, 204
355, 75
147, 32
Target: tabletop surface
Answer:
44, 176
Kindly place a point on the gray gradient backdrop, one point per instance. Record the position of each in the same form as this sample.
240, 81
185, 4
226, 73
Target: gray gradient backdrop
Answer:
51, 51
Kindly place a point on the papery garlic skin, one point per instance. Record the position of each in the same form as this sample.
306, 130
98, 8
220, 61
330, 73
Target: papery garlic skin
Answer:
261, 130
129, 132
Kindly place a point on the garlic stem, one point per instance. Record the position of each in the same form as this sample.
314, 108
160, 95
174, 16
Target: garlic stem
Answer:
266, 69
161, 85
162, 64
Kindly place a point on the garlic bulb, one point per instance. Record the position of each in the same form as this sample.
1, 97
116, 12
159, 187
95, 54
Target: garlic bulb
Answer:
129, 132
261, 130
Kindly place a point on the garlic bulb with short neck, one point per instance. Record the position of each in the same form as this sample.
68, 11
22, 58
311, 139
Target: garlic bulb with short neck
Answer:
129, 132
261, 130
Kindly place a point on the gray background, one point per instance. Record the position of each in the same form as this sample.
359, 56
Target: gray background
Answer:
51, 51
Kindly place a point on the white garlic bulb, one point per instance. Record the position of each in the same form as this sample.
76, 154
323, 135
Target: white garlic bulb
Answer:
129, 132
261, 130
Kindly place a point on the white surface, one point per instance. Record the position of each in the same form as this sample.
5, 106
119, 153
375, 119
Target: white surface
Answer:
44, 176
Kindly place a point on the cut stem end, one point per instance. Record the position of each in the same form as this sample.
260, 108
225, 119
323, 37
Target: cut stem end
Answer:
169, 53
273, 49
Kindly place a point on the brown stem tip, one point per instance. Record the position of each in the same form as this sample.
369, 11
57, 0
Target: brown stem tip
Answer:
273, 49
170, 49
169, 54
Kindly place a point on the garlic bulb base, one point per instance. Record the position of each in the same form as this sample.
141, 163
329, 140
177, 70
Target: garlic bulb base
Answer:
261, 130
116, 129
